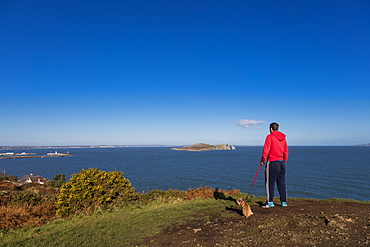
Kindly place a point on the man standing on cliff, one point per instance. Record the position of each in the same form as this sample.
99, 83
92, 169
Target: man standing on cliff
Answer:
275, 152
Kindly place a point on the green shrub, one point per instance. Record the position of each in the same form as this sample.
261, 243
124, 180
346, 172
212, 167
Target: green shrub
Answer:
162, 196
91, 189
59, 180
27, 198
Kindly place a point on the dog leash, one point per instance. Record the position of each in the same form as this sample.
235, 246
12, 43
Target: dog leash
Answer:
254, 180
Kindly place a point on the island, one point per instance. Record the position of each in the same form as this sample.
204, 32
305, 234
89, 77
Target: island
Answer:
205, 147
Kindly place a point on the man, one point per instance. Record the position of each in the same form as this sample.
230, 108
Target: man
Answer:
275, 152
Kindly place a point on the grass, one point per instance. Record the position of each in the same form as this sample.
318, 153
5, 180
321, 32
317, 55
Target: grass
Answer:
326, 200
122, 227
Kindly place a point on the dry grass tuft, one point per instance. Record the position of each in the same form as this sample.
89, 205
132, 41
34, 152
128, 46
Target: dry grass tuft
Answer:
208, 192
20, 216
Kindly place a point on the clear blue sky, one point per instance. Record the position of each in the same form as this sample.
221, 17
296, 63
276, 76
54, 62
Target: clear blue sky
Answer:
182, 72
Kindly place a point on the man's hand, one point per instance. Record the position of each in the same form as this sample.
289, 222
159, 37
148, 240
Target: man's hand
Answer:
262, 163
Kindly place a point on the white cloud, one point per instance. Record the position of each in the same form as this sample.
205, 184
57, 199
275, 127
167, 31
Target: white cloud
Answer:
247, 123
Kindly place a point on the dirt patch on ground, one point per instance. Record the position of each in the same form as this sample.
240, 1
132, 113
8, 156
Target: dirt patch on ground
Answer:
302, 223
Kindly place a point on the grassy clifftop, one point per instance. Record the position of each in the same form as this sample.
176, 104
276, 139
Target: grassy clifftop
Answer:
197, 217
207, 222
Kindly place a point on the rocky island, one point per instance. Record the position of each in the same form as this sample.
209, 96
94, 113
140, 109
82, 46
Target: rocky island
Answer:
205, 147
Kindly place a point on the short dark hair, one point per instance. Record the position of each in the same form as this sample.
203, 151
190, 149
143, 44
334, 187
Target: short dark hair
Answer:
274, 126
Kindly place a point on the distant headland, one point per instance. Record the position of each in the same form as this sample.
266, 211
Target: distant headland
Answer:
205, 147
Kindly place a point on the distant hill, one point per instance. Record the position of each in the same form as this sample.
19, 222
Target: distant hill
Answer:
205, 147
363, 144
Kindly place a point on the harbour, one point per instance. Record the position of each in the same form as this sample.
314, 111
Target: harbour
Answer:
12, 155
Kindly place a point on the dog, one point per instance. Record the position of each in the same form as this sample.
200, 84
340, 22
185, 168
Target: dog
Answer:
247, 211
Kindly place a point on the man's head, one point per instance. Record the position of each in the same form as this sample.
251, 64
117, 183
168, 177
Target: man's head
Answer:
274, 127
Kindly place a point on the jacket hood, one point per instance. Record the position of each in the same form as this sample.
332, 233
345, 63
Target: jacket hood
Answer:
279, 135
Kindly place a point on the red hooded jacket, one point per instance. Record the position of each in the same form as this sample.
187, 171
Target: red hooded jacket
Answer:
275, 147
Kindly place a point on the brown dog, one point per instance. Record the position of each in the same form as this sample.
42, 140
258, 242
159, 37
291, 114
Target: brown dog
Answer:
247, 211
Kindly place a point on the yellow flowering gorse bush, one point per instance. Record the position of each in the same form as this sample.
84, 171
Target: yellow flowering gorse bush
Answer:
92, 188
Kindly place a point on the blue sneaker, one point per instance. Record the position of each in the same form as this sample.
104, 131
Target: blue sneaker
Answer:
283, 204
268, 205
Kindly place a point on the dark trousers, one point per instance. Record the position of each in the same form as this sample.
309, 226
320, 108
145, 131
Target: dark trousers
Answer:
275, 173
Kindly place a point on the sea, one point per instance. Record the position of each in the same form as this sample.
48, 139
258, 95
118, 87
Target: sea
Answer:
320, 172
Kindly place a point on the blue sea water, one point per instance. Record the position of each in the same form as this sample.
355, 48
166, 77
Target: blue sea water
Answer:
312, 172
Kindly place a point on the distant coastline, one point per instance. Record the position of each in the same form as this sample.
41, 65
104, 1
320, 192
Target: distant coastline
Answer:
176, 147
79, 146
11, 155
